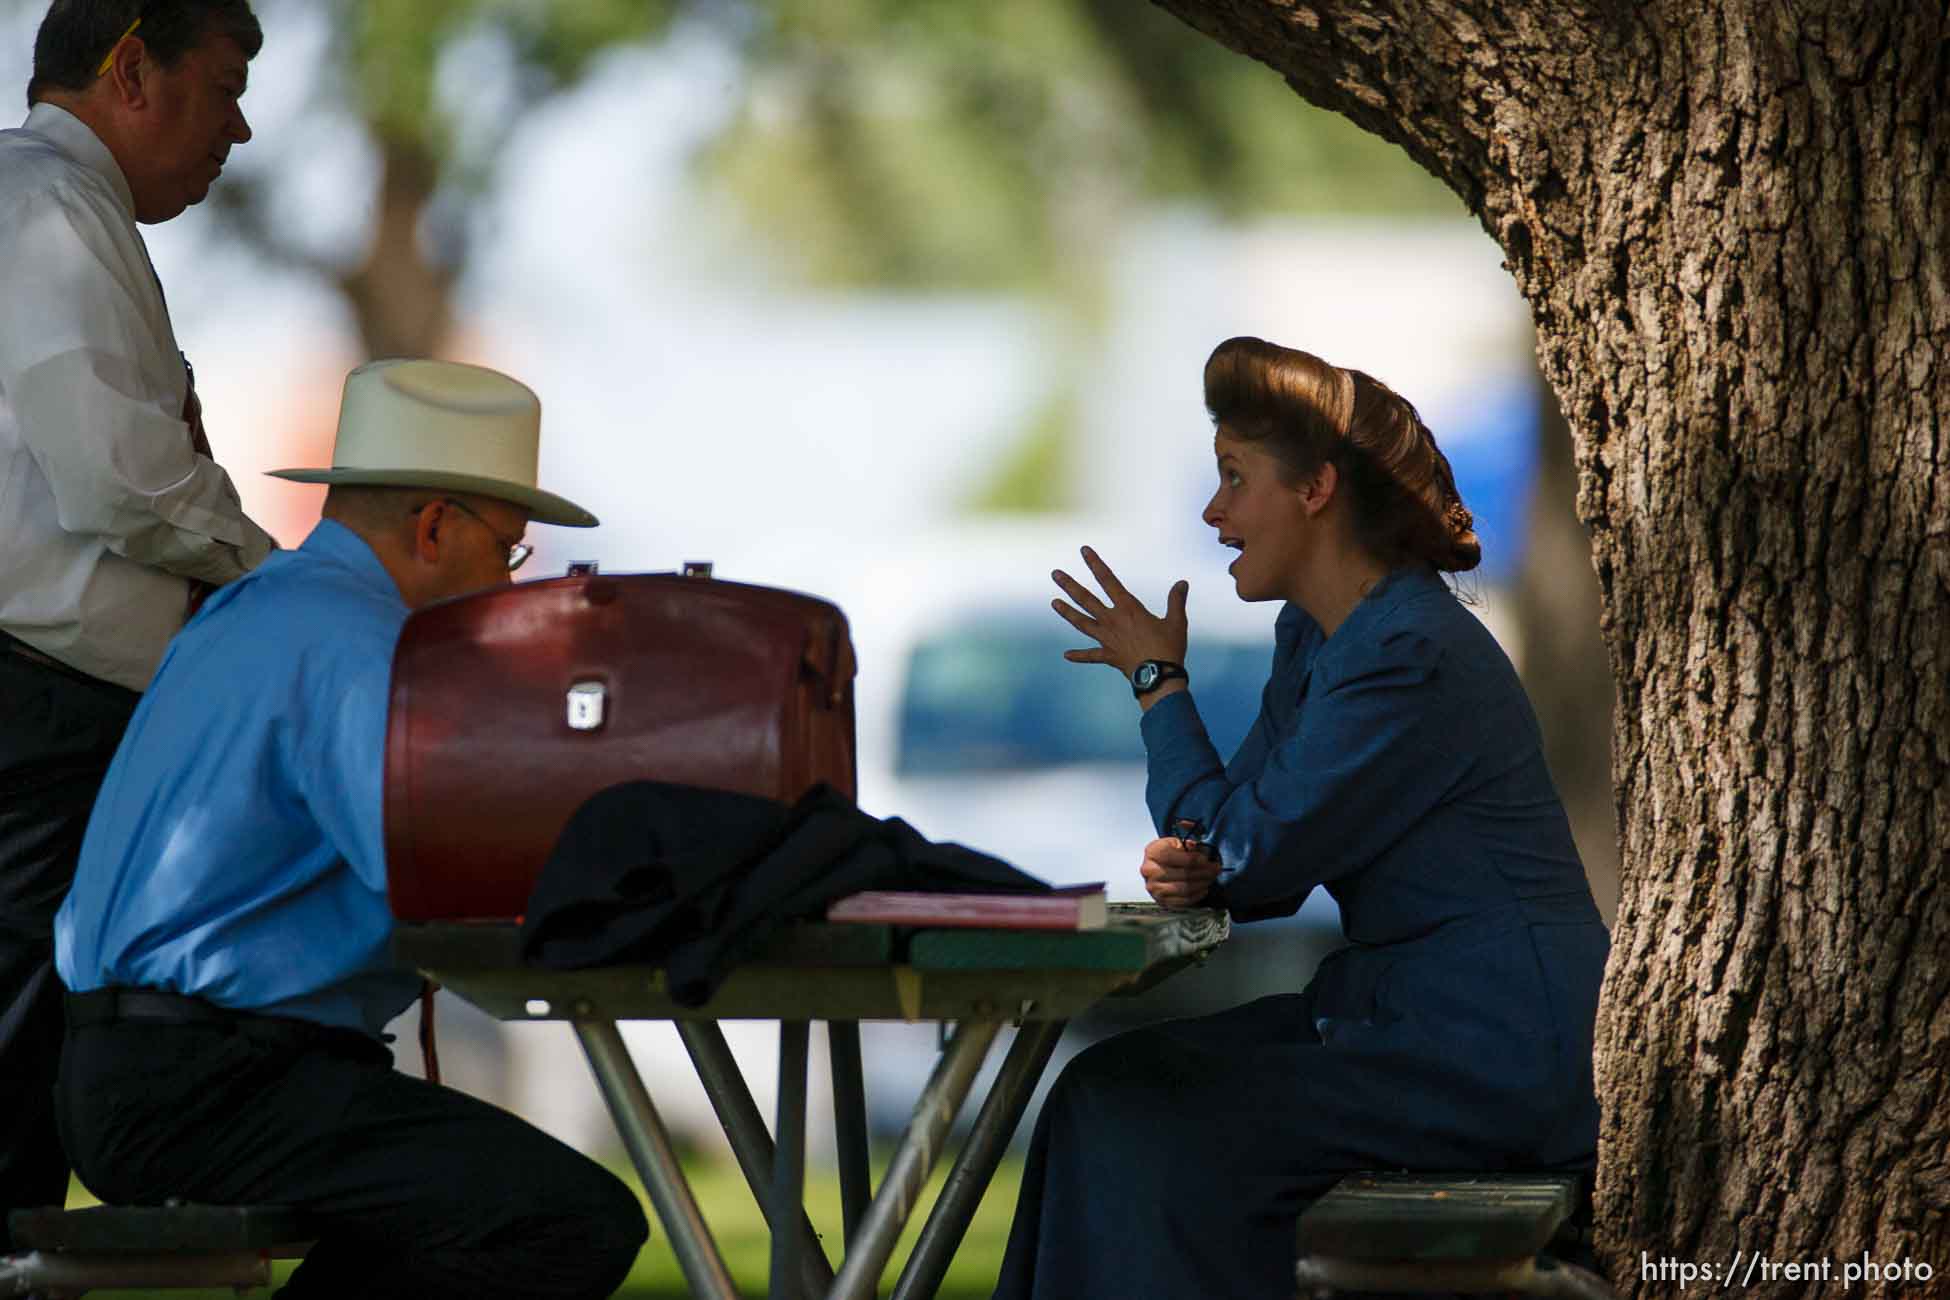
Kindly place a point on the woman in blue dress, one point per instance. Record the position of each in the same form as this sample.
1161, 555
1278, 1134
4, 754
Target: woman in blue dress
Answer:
1396, 762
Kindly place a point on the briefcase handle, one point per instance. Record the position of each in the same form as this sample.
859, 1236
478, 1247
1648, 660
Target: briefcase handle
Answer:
829, 660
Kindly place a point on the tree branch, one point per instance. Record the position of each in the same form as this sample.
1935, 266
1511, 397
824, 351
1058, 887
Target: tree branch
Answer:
1465, 89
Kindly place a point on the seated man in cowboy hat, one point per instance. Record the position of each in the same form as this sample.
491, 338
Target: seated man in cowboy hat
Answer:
226, 941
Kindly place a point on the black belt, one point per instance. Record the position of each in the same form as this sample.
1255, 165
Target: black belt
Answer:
105, 1006
19, 649
120, 1005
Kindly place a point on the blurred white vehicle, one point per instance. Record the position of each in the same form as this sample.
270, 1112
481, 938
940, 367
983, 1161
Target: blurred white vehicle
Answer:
973, 727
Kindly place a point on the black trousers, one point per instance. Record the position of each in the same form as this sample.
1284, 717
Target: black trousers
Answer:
420, 1192
58, 731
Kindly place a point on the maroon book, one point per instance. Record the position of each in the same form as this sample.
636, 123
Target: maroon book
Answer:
1077, 907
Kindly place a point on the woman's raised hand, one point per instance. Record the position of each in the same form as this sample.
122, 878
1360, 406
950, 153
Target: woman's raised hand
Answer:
1125, 631
1174, 875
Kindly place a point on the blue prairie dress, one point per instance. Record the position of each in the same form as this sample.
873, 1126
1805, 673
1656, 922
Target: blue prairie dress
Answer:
1398, 764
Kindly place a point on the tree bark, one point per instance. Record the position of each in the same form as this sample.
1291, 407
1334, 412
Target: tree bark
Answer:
1729, 219
1565, 668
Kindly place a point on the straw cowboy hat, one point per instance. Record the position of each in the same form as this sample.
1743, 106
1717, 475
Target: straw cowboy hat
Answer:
442, 424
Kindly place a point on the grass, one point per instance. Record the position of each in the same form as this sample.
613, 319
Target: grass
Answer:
735, 1221
739, 1228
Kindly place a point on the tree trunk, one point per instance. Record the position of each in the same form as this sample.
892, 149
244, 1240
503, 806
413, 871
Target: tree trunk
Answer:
1729, 219
400, 298
1564, 664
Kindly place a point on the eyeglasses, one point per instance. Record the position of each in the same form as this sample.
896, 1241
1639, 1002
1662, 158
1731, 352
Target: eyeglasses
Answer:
518, 551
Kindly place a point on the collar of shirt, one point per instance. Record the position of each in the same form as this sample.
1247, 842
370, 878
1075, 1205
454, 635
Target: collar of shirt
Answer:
74, 138
1291, 623
1296, 633
1383, 608
1399, 585
334, 543
1395, 587
330, 543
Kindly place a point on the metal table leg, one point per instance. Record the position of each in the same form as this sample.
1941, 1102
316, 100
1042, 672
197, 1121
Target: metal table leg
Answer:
789, 1159
995, 1124
850, 1122
738, 1114
934, 1113
655, 1159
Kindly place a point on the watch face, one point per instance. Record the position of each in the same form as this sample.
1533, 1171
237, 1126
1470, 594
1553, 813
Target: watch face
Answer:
1146, 675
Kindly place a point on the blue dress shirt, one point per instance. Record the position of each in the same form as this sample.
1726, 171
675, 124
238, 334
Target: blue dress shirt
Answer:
236, 852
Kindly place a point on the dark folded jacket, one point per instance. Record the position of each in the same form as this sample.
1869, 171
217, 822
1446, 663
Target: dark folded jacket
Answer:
696, 880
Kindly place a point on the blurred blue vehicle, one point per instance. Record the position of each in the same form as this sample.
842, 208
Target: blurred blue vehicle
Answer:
1003, 744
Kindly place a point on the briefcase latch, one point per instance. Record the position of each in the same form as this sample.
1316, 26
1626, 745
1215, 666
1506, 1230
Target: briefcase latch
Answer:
586, 701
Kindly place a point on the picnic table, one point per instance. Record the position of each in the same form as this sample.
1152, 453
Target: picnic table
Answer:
971, 981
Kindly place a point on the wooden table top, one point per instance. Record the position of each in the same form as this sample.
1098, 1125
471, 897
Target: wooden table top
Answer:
823, 971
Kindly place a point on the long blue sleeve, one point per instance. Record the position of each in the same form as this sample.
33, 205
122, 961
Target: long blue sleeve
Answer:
237, 850
1398, 759
1363, 762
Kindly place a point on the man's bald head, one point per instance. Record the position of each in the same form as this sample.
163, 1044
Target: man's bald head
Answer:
434, 543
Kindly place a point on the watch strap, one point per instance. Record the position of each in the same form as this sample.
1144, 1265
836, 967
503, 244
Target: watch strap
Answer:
1166, 672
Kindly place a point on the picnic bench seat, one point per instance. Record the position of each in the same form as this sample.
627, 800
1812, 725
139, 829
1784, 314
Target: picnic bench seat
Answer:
1469, 1233
149, 1246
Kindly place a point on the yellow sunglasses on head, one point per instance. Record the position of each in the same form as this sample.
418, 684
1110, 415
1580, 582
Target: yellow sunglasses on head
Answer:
109, 57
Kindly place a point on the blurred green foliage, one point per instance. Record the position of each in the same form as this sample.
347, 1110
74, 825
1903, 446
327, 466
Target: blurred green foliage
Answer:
1001, 146
391, 50
920, 145
937, 143
915, 143
1036, 471
924, 144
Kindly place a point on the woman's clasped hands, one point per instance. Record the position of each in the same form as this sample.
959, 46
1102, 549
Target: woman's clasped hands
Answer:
1176, 876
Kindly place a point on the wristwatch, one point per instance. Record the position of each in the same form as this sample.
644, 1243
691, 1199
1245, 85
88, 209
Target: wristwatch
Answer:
1153, 673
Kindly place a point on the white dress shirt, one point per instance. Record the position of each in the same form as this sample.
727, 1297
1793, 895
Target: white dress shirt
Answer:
106, 510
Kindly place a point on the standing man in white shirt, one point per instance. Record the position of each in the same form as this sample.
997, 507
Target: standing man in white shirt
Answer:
114, 520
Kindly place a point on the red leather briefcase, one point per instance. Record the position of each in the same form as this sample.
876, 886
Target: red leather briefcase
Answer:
510, 707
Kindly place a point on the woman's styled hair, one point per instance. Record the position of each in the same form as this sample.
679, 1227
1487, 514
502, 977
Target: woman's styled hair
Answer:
1308, 413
